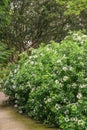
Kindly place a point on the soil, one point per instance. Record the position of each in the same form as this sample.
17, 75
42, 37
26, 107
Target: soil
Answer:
11, 120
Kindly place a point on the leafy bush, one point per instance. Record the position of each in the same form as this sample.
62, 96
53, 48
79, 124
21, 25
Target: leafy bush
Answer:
51, 84
5, 54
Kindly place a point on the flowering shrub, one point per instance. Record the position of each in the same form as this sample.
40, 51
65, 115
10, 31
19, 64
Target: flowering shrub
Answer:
51, 84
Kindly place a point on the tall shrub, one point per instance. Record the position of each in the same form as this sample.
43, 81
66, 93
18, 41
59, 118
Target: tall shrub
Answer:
51, 84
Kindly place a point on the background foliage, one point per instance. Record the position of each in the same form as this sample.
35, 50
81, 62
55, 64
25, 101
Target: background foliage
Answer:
74, 7
28, 23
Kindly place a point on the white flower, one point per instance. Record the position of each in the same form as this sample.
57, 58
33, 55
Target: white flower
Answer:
56, 81
16, 95
40, 105
10, 73
57, 107
64, 56
83, 86
15, 71
55, 52
33, 89
60, 85
35, 56
48, 100
65, 100
14, 86
15, 105
75, 34
74, 84
48, 49
76, 37
16, 101
70, 68
32, 62
66, 112
81, 122
79, 38
82, 42
30, 57
67, 119
20, 111
65, 68
74, 119
65, 78
26, 63
41, 54
79, 95
85, 79
58, 61
84, 36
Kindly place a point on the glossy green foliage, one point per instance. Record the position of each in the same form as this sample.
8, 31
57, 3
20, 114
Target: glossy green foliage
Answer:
51, 84
4, 53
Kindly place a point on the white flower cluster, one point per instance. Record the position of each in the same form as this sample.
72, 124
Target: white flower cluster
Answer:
65, 78
32, 62
74, 84
56, 82
81, 122
79, 37
58, 61
48, 49
83, 86
48, 100
66, 119
79, 95
57, 107
65, 68
74, 119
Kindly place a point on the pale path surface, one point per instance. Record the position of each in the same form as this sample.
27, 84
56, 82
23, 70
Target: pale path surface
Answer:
11, 120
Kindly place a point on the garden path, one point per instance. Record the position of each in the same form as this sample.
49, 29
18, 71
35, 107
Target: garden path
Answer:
11, 120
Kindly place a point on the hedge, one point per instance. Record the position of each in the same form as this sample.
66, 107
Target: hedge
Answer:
50, 85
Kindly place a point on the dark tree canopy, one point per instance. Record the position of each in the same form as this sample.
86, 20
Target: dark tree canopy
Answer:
26, 23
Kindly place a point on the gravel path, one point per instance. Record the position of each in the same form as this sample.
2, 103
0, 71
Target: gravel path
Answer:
11, 120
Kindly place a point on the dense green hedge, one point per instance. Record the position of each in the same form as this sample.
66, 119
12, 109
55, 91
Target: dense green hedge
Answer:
51, 84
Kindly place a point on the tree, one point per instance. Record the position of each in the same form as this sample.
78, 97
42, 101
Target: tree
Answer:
41, 21
36, 21
5, 50
4, 17
76, 12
